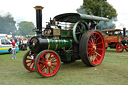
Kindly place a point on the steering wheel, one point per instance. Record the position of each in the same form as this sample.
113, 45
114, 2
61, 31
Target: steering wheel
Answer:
78, 29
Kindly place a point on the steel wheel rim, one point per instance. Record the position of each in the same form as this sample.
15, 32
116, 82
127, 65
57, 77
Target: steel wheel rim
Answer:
96, 48
48, 64
119, 48
29, 62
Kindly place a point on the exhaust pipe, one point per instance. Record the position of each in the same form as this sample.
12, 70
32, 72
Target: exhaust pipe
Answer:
124, 33
39, 19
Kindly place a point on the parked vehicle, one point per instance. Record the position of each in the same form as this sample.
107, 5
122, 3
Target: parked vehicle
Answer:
5, 45
116, 38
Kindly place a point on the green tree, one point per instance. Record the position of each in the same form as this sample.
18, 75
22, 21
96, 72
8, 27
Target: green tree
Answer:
25, 28
7, 24
93, 7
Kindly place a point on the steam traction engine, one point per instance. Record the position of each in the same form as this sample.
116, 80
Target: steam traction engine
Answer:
55, 43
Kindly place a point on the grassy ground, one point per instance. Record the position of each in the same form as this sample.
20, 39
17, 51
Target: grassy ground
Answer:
112, 71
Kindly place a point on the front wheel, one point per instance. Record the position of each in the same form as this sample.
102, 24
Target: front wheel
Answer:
119, 47
92, 48
47, 63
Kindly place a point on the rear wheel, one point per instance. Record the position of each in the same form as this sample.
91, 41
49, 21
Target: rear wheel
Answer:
28, 61
47, 63
119, 47
92, 48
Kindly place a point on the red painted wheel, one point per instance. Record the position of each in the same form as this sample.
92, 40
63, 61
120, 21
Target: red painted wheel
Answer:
92, 48
119, 47
126, 47
47, 63
28, 61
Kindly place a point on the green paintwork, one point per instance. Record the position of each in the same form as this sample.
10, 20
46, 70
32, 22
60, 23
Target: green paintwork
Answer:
59, 44
66, 33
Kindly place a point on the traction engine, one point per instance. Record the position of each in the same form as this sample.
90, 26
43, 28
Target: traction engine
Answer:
56, 44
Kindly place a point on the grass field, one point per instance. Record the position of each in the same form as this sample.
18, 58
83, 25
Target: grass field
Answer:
112, 71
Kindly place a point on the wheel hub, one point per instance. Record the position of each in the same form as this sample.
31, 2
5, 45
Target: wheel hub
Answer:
49, 63
94, 48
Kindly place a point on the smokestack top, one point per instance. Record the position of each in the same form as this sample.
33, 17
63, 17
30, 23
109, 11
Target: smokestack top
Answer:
38, 7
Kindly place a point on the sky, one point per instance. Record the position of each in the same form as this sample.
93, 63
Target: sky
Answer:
121, 7
22, 10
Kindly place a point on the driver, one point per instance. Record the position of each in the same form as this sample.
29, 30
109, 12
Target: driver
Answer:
48, 29
93, 25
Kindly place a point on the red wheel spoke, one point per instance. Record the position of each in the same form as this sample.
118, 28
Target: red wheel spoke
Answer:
99, 43
42, 62
48, 69
29, 62
52, 68
90, 42
94, 38
43, 68
90, 45
43, 58
97, 53
96, 58
91, 57
99, 48
53, 65
50, 56
47, 57
28, 59
97, 39
33, 66
54, 61
89, 51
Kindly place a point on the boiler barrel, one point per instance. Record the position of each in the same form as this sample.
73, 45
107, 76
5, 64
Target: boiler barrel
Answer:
38, 44
58, 44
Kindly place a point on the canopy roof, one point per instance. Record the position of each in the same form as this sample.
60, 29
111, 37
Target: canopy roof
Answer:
111, 30
74, 17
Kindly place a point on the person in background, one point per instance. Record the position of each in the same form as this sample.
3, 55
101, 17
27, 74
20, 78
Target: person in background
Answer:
18, 43
24, 46
93, 25
13, 49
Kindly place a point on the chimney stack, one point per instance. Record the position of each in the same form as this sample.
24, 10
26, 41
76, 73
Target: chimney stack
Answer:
124, 33
39, 19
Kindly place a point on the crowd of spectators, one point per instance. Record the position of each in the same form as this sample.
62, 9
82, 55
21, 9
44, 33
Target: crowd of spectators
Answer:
21, 42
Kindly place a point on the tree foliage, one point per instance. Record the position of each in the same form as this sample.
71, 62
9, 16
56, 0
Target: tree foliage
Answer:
25, 28
93, 7
7, 24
